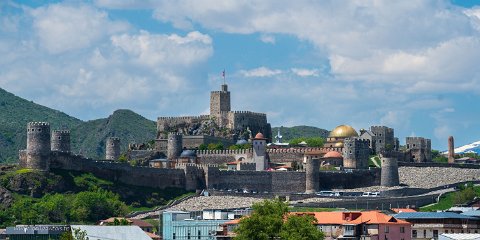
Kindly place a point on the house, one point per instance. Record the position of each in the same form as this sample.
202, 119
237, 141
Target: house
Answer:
145, 226
428, 225
112, 232
36, 231
372, 225
459, 236
361, 225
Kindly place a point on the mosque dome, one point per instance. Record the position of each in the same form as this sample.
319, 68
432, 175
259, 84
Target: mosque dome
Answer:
333, 154
343, 131
241, 142
188, 154
259, 136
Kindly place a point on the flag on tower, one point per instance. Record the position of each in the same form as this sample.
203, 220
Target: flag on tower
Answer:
223, 75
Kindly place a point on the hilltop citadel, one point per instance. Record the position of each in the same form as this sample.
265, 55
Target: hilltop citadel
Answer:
259, 168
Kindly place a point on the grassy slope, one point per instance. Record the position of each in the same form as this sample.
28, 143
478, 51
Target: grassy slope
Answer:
290, 133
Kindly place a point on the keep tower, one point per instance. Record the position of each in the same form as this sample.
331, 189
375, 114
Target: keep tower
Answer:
220, 101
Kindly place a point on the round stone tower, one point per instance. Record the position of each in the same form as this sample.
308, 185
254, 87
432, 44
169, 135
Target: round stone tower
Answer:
389, 175
38, 145
113, 148
312, 170
174, 145
61, 141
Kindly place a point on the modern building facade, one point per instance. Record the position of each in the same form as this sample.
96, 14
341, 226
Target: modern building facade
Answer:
195, 225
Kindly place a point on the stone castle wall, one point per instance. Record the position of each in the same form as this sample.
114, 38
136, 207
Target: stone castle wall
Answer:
355, 179
275, 155
121, 172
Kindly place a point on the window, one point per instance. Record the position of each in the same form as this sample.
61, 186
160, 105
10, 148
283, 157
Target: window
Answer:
414, 233
387, 229
174, 236
402, 229
424, 233
435, 234
446, 231
199, 234
188, 235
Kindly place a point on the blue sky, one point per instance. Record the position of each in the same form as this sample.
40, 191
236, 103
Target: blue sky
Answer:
410, 65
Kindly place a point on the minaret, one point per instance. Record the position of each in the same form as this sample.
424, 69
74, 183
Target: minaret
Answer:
278, 137
451, 150
259, 144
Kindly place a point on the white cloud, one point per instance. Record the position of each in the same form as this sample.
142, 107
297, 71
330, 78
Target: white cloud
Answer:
154, 49
267, 38
63, 27
260, 72
302, 72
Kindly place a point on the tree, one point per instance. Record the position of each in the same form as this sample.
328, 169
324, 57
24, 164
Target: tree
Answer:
311, 142
300, 228
314, 142
215, 146
268, 222
203, 146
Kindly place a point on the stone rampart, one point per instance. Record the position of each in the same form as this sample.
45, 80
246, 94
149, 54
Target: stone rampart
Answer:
435, 164
353, 179
121, 172
251, 180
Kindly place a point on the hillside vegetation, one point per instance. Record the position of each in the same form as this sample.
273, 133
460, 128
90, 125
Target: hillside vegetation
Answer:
290, 133
88, 138
61, 196
15, 113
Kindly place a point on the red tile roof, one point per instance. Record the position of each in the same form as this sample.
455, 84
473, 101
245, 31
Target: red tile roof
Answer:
371, 217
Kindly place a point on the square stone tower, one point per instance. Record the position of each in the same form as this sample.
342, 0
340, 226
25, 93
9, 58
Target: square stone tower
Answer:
420, 149
384, 139
220, 101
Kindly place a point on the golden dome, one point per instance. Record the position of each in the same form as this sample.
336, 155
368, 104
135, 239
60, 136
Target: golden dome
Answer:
338, 145
343, 131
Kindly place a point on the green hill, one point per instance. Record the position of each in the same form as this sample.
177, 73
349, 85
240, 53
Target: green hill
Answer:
15, 113
88, 138
290, 133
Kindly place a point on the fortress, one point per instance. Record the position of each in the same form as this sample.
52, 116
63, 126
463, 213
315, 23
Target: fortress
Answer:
193, 171
258, 168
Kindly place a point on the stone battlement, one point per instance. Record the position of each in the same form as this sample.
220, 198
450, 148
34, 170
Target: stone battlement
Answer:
280, 150
114, 138
223, 152
247, 112
358, 140
200, 117
61, 131
199, 166
38, 124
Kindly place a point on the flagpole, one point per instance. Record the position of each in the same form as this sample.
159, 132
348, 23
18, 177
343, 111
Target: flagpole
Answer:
223, 74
